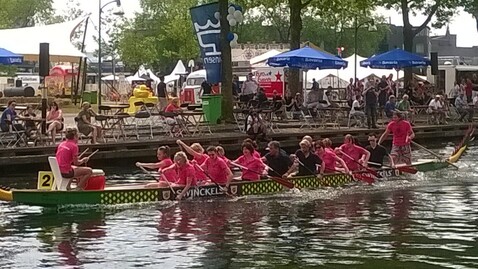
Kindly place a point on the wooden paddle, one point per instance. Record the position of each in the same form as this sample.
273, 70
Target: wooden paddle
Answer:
84, 151
405, 169
434, 154
284, 182
371, 171
224, 190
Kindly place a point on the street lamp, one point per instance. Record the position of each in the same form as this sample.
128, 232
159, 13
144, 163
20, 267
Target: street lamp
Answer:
371, 28
120, 13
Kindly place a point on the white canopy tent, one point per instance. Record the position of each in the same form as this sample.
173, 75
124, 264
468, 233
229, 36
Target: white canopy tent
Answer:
178, 70
348, 73
26, 41
260, 60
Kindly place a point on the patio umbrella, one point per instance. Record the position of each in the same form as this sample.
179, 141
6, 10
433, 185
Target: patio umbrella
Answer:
307, 58
395, 59
7, 57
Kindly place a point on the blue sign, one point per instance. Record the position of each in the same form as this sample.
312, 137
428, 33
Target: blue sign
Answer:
208, 31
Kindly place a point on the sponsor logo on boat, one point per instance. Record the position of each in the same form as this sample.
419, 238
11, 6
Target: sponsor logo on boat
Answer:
234, 189
166, 195
201, 192
389, 173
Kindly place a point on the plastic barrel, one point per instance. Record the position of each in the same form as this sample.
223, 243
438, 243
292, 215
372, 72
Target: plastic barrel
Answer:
212, 108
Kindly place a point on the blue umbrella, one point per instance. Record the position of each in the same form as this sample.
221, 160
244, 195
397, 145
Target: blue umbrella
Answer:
395, 59
7, 57
307, 58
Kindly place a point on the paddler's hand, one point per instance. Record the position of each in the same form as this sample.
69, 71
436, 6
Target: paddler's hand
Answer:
85, 160
286, 175
320, 176
224, 189
179, 197
179, 142
408, 139
194, 162
138, 164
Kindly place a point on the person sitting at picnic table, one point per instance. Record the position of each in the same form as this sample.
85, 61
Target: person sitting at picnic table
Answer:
357, 110
255, 126
312, 99
435, 109
170, 113
30, 126
278, 105
84, 123
54, 120
463, 108
8, 119
406, 109
261, 98
293, 104
390, 106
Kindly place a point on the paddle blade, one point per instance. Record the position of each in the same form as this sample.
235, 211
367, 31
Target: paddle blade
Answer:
364, 178
284, 182
407, 169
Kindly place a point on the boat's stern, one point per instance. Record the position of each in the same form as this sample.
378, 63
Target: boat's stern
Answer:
6, 195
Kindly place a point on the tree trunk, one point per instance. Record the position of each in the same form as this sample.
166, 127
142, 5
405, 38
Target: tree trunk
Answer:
408, 36
295, 30
226, 56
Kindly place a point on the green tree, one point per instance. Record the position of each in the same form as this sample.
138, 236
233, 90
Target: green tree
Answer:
439, 10
24, 13
71, 12
471, 6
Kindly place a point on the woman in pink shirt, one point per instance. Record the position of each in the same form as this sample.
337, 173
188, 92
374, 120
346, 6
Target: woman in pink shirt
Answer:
216, 168
354, 156
164, 161
54, 120
254, 167
255, 153
329, 159
185, 175
221, 153
197, 151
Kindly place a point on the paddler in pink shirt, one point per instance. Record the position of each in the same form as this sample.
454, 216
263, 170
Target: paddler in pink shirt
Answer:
255, 153
185, 175
197, 151
216, 168
164, 161
252, 167
402, 136
354, 156
329, 160
67, 158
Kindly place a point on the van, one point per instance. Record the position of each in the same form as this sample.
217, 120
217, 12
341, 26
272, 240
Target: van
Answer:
192, 87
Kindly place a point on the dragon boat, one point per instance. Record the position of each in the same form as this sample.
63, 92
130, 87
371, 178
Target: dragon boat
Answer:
137, 193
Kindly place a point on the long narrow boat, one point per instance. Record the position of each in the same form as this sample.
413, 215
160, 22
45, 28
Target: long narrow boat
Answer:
124, 194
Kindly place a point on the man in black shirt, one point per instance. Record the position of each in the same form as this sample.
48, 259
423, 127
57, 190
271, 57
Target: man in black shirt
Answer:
162, 93
371, 105
306, 160
377, 152
277, 159
206, 88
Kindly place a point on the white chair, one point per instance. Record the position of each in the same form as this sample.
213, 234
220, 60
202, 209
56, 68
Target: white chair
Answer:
60, 183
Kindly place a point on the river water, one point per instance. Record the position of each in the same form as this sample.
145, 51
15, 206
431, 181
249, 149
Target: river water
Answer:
424, 221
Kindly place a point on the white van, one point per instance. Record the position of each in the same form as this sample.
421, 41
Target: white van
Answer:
192, 87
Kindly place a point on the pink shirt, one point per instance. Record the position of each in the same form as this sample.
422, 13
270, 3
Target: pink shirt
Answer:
185, 172
254, 166
65, 153
256, 154
400, 130
328, 160
200, 160
356, 153
169, 175
53, 115
216, 169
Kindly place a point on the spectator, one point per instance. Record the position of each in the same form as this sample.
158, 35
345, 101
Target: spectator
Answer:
350, 93
371, 100
278, 105
383, 90
463, 108
236, 89
84, 123
435, 109
54, 120
357, 110
162, 93
312, 100
7, 120
206, 88
406, 109
390, 106
30, 126
261, 98
469, 91
255, 126
249, 89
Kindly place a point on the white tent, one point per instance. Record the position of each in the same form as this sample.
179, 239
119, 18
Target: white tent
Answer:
110, 78
178, 70
260, 60
26, 41
348, 73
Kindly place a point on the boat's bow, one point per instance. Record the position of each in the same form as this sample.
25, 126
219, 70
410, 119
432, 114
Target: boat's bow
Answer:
6, 195
460, 149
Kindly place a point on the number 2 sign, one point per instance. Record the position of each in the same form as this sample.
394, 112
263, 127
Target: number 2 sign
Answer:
45, 180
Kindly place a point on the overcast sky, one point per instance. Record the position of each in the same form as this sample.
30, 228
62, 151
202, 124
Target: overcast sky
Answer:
462, 24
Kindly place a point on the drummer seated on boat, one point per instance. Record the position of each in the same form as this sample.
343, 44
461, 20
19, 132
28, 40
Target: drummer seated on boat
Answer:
216, 168
329, 160
252, 167
403, 134
164, 161
377, 152
185, 175
67, 158
277, 159
305, 160
354, 156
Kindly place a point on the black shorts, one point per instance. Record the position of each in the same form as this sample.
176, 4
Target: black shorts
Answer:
70, 174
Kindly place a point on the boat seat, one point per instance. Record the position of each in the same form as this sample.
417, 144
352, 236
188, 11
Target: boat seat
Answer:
60, 182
